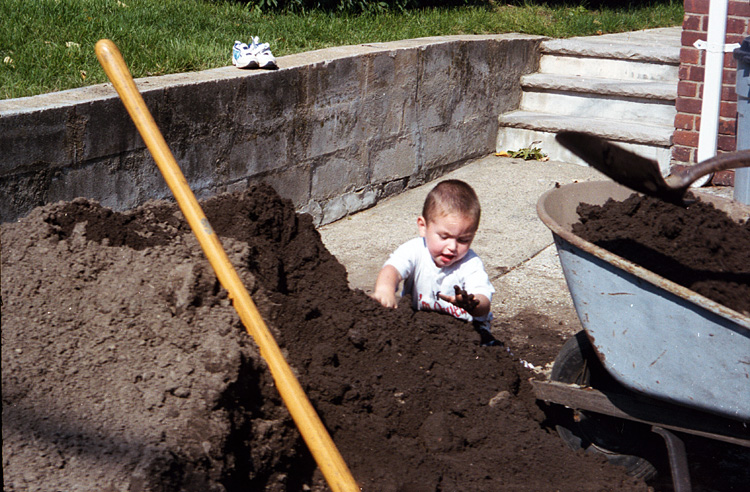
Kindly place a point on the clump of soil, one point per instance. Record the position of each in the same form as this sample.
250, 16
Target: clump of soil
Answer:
698, 247
125, 367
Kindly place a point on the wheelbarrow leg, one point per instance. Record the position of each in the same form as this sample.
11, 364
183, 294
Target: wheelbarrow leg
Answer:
678, 463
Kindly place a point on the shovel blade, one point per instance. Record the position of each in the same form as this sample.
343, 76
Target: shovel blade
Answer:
626, 168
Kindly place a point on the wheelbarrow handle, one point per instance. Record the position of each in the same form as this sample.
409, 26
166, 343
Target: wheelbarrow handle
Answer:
308, 422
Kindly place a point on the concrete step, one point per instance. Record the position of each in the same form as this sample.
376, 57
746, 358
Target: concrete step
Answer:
624, 88
639, 101
607, 68
621, 87
658, 46
518, 129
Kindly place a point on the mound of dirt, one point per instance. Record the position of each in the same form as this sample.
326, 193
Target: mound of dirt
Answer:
125, 367
698, 247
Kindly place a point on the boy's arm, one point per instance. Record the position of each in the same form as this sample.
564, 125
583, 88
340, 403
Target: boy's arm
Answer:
386, 285
482, 308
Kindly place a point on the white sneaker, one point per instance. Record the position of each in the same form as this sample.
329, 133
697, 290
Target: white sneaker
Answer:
263, 54
243, 56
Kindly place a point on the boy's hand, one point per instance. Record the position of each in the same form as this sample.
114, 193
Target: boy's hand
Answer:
387, 299
462, 299
385, 286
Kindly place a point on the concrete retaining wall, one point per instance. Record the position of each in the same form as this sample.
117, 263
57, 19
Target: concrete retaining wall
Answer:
333, 130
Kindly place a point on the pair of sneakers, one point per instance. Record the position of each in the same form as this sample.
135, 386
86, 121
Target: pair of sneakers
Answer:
256, 55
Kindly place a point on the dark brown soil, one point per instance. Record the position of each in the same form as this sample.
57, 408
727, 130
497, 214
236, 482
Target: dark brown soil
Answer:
698, 247
125, 368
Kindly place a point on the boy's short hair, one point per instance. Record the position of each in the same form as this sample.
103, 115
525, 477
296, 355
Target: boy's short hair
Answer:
452, 196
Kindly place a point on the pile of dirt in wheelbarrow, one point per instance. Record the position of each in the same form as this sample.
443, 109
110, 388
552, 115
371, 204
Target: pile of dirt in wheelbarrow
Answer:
125, 367
698, 247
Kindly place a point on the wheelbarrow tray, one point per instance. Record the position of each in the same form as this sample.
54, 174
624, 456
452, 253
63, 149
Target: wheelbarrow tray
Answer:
652, 335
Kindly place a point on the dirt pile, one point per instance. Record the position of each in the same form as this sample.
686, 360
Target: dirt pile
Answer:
698, 247
124, 366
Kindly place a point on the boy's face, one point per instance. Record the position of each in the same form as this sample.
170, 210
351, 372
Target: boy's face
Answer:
448, 237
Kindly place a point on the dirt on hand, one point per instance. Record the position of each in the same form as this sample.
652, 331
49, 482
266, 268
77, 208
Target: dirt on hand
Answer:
125, 367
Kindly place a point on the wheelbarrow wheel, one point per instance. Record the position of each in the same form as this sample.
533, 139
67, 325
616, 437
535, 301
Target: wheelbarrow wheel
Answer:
622, 442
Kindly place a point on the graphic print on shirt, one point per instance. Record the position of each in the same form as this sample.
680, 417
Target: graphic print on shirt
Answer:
442, 306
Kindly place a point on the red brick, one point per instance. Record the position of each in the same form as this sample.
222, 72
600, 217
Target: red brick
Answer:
688, 105
738, 7
687, 88
735, 38
728, 109
740, 25
729, 61
690, 37
677, 168
736, 25
690, 55
691, 23
686, 138
696, 6
728, 93
684, 121
723, 178
696, 73
728, 126
681, 153
726, 143
730, 78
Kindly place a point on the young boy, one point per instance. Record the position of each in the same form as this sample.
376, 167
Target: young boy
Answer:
438, 269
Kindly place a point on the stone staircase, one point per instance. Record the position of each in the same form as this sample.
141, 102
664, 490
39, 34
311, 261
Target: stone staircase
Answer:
619, 86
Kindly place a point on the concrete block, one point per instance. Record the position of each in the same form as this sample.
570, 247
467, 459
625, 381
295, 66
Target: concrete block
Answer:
393, 188
199, 162
393, 158
346, 204
313, 209
107, 129
390, 98
22, 192
360, 200
333, 82
198, 107
292, 183
443, 146
438, 90
34, 139
334, 128
251, 153
120, 184
266, 99
336, 175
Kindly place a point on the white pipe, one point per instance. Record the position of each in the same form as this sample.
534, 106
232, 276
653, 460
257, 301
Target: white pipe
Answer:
717, 29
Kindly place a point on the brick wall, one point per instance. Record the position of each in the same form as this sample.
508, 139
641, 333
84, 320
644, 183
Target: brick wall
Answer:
690, 87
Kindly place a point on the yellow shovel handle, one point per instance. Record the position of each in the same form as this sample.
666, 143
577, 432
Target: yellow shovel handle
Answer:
309, 424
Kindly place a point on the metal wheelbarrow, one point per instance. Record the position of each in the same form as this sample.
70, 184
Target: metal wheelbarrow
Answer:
654, 357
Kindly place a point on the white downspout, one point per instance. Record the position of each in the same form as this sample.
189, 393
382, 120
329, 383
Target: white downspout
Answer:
715, 48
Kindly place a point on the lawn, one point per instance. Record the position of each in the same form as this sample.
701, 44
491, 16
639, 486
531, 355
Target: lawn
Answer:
48, 45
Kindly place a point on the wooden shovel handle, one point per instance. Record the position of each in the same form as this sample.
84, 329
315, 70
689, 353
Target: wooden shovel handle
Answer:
318, 440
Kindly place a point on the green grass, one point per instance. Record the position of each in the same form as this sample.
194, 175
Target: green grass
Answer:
48, 45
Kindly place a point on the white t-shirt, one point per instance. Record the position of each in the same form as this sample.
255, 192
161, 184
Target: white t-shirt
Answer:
424, 280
